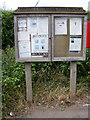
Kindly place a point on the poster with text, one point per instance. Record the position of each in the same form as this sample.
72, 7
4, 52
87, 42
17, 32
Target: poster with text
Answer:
22, 24
32, 25
75, 26
75, 44
23, 36
42, 25
39, 43
60, 26
38, 25
24, 49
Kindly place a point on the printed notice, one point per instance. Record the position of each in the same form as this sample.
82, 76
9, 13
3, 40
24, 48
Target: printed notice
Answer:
75, 26
75, 44
33, 22
60, 26
22, 24
39, 44
42, 25
23, 36
24, 49
38, 25
32, 25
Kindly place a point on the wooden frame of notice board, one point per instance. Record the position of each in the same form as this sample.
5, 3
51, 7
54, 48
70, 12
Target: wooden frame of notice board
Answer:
67, 45
23, 38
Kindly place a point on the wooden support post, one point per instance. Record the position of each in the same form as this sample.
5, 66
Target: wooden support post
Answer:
73, 74
28, 82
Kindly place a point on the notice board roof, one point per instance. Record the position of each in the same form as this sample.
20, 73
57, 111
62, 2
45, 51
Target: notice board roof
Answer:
64, 10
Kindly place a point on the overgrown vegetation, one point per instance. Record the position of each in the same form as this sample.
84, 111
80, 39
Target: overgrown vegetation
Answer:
47, 78
0, 30
88, 15
50, 79
13, 79
7, 29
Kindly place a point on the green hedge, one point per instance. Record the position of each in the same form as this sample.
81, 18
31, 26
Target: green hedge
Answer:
88, 15
13, 80
7, 29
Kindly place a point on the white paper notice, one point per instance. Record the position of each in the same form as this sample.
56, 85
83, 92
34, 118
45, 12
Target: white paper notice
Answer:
33, 22
75, 26
38, 25
60, 26
24, 49
75, 44
39, 43
23, 36
22, 24
32, 25
42, 25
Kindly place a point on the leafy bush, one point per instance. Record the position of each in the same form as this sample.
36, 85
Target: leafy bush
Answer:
84, 66
0, 30
88, 15
7, 29
13, 80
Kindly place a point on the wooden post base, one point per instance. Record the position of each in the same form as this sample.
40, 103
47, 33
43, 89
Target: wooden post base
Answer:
28, 82
73, 71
